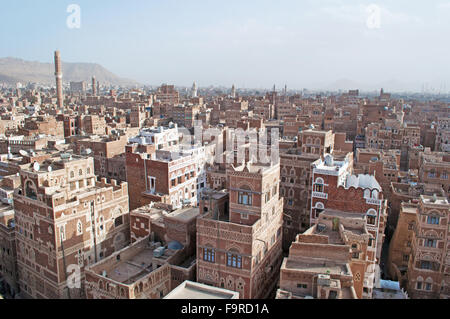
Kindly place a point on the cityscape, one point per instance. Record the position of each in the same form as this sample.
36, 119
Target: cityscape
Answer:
111, 188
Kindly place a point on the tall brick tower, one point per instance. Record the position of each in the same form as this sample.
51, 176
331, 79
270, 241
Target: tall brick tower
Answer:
58, 75
94, 86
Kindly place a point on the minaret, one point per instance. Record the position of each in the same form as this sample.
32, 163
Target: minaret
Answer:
233, 91
94, 86
194, 92
58, 75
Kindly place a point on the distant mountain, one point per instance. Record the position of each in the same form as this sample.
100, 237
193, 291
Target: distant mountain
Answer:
14, 70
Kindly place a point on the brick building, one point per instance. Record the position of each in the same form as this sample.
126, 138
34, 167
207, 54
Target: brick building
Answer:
171, 177
64, 217
8, 256
428, 274
335, 188
239, 248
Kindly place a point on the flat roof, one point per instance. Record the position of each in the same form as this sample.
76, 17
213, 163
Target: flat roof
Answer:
132, 269
317, 267
193, 290
185, 214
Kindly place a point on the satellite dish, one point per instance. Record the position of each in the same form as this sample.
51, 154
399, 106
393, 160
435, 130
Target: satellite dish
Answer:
36, 166
50, 169
88, 151
23, 153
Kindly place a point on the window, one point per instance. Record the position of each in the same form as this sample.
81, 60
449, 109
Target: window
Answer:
318, 186
79, 228
245, 198
118, 221
428, 286
302, 286
209, 255
62, 232
318, 210
244, 216
406, 258
432, 220
174, 181
355, 255
375, 194
152, 183
425, 264
371, 217
234, 260
419, 285
371, 220
411, 226
430, 243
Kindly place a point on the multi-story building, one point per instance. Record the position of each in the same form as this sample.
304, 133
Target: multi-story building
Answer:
435, 169
330, 260
169, 177
108, 153
428, 274
334, 187
400, 247
167, 94
239, 248
65, 220
296, 177
443, 135
150, 267
8, 256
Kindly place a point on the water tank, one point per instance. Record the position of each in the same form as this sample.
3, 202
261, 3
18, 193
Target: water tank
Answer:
159, 252
175, 245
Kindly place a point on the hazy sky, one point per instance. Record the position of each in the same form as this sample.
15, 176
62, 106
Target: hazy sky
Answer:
252, 43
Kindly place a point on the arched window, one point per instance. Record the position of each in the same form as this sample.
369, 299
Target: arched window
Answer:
372, 217
318, 209
72, 174
291, 193
318, 185
429, 284
367, 194
419, 283
80, 172
118, 221
375, 194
